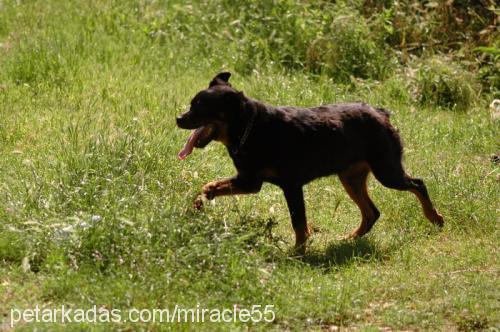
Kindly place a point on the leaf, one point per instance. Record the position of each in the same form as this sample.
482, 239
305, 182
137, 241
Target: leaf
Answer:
489, 50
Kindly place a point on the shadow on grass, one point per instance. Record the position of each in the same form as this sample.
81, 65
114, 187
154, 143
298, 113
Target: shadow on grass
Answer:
344, 252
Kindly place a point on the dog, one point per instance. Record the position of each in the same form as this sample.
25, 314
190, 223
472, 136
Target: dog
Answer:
291, 146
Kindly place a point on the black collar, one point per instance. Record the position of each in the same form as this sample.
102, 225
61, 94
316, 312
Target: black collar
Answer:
246, 133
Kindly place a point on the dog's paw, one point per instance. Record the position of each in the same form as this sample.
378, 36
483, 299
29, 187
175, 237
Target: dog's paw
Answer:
301, 242
349, 236
438, 220
198, 202
208, 190
299, 250
207, 194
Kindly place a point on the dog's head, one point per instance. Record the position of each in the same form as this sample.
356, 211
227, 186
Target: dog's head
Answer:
210, 112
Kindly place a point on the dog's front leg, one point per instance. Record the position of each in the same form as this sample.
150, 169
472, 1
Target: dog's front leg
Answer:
295, 200
232, 186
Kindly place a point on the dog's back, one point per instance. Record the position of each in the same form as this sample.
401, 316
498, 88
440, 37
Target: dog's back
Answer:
306, 143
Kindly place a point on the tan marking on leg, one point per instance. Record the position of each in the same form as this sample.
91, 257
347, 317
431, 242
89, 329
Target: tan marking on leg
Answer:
354, 182
429, 211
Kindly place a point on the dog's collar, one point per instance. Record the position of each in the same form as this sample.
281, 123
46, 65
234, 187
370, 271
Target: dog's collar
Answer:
246, 133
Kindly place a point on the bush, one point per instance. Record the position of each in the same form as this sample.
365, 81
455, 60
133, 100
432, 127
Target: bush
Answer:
334, 39
489, 68
443, 25
273, 31
316, 36
12, 246
444, 84
349, 50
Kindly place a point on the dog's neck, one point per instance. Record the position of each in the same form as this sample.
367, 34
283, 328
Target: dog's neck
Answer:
245, 129
248, 128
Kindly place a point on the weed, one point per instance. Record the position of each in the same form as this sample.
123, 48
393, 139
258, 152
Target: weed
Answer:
443, 84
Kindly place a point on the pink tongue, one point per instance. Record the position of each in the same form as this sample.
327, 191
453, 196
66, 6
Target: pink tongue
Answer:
188, 147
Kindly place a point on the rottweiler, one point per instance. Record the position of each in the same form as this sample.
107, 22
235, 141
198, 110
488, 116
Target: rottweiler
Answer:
291, 146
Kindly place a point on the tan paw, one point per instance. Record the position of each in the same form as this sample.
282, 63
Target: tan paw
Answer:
198, 202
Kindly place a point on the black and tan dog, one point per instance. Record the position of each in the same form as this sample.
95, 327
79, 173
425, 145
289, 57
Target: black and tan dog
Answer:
291, 146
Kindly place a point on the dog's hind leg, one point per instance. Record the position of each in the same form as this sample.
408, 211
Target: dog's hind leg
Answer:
392, 175
295, 200
418, 188
354, 182
233, 186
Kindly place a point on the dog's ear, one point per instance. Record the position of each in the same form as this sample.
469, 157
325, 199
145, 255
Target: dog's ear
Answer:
220, 79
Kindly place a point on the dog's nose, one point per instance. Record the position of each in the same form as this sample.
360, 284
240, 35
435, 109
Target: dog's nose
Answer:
178, 120
185, 121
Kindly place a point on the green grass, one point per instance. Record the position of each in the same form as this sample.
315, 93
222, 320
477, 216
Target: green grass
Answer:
95, 206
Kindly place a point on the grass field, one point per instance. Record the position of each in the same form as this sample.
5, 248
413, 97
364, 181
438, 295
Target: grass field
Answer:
95, 206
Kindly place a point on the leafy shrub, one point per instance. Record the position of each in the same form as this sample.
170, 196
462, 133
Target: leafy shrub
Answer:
489, 68
316, 36
444, 84
443, 25
273, 31
12, 246
348, 49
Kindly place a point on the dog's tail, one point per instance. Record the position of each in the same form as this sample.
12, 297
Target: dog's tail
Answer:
384, 111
